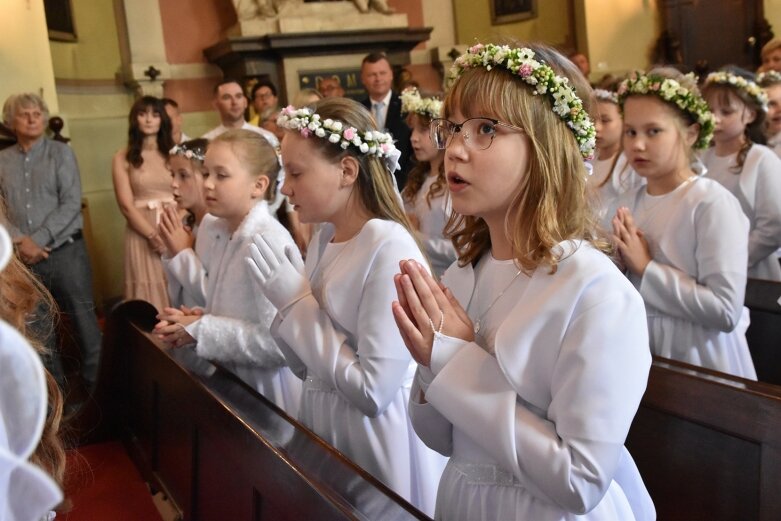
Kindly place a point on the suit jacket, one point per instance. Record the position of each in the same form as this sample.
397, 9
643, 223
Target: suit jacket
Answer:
398, 128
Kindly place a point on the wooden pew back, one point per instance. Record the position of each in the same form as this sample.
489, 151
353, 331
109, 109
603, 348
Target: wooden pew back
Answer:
763, 299
218, 449
708, 445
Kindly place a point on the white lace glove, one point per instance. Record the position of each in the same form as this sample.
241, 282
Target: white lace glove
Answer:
279, 271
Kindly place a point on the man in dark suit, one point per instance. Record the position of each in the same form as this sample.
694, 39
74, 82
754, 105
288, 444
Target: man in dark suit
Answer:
385, 106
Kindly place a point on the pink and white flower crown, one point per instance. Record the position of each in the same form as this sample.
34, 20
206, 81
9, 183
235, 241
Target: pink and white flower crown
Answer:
543, 81
371, 142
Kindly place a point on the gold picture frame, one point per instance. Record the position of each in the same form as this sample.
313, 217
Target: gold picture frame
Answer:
508, 11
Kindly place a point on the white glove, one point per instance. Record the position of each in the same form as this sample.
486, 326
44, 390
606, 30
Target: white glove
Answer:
279, 271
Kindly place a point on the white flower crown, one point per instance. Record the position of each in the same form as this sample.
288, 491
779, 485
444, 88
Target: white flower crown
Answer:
672, 91
371, 142
412, 102
768, 78
754, 91
189, 153
606, 95
544, 81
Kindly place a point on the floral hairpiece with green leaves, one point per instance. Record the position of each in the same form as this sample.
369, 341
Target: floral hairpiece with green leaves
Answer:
413, 102
754, 91
371, 142
543, 80
768, 78
671, 91
196, 153
606, 95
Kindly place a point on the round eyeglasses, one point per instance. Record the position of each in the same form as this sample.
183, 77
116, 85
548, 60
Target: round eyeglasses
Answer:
478, 133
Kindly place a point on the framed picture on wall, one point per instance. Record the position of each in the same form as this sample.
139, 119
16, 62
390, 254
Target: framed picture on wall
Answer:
506, 11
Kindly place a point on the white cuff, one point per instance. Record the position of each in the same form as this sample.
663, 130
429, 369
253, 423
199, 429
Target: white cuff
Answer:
443, 349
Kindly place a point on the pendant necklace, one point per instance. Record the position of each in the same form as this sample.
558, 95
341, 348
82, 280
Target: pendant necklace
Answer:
479, 322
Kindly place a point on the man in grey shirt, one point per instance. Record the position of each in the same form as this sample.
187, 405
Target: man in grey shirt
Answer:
40, 184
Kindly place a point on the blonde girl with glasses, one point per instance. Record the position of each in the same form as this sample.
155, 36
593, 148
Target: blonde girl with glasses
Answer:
533, 353
334, 322
425, 193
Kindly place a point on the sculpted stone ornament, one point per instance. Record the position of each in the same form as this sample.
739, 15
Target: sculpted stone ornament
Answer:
259, 9
379, 5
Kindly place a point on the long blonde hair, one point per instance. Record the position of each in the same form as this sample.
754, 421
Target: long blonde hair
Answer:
550, 204
22, 295
375, 185
417, 176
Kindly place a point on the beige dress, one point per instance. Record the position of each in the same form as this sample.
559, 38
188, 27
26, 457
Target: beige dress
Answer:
144, 277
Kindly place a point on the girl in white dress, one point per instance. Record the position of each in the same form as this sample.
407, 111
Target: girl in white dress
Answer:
611, 175
682, 237
334, 320
533, 362
752, 172
183, 269
425, 194
233, 329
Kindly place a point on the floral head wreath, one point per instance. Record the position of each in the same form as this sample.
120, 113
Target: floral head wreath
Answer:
753, 90
671, 91
372, 142
543, 80
412, 102
190, 153
766, 79
606, 95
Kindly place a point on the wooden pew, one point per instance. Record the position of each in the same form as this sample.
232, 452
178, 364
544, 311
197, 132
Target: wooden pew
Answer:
214, 446
708, 445
763, 299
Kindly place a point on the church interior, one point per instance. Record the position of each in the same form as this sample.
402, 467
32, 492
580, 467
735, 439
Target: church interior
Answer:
165, 434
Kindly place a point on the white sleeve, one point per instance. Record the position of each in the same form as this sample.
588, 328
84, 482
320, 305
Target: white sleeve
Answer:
229, 339
439, 250
715, 298
431, 427
765, 237
370, 373
186, 276
570, 455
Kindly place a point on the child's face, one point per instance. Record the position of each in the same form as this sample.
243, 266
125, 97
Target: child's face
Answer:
313, 184
148, 122
732, 116
482, 183
653, 144
229, 188
186, 182
420, 139
609, 126
773, 109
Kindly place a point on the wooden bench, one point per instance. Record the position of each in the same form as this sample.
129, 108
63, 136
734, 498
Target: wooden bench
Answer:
216, 448
763, 299
708, 445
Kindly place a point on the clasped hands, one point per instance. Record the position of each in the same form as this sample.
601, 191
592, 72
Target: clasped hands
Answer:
631, 242
29, 251
426, 307
173, 321
278, 270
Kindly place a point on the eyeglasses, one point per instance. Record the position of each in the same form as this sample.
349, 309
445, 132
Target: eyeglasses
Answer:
478, 133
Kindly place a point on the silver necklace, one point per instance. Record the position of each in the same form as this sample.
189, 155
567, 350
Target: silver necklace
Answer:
479, 322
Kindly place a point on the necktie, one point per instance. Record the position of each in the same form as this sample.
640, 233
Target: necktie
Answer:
378, 115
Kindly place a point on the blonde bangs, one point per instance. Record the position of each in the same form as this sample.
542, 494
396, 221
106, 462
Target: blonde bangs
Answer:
550, 204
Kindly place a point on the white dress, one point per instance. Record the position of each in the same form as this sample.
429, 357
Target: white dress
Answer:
235, 329
344, 342
695, 285
535, 419
605, 196
185, 274
758, 188
432, 218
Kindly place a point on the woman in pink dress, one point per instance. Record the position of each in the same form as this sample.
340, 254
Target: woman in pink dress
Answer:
142, 184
